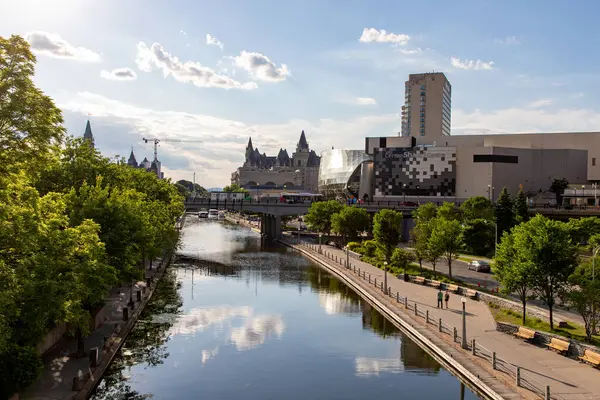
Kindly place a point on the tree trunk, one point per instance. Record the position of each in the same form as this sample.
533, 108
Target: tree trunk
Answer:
550, 306
421, 266
450, 267
80, 345
524, 301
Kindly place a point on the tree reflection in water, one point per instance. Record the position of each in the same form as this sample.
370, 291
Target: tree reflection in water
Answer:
146, 341
413, 357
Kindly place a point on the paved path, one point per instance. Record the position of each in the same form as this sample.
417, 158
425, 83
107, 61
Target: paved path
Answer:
60, 363
567, 378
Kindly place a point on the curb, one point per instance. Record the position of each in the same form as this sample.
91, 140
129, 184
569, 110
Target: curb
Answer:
415, 335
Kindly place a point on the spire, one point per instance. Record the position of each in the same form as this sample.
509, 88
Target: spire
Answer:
132, 161
249, 147
87, 135
302, 144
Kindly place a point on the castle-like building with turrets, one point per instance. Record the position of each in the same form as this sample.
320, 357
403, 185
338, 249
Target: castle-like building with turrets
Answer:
300, 171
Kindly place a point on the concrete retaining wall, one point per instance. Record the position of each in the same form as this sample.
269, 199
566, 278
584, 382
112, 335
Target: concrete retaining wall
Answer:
51, 339
532, 311
542, 339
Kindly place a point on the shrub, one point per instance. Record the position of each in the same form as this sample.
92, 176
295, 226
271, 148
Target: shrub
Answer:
354, 246
370, 248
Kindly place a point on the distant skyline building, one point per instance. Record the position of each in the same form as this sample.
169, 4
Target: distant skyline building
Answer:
427, 110
300, 171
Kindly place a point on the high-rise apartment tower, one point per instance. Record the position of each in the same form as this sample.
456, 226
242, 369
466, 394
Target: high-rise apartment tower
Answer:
427, 106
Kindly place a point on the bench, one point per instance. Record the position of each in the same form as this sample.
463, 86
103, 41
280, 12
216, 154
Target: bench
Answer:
435, 284
452, 288
419, 279
560, 346
525, 333
471, 293
591, 357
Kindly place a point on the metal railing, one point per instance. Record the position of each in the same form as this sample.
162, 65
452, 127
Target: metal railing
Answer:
523, 377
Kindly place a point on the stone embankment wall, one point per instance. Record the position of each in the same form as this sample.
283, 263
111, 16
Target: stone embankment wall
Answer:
542, 339
515, 306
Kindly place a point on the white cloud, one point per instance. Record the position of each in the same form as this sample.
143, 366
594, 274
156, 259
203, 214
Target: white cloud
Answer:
224, 140
540, 103
508, 41
54, 46
119, 74
213, 41
411, 51
381, 36
471, 64
189, 72
261, 67
184, 33
365, 101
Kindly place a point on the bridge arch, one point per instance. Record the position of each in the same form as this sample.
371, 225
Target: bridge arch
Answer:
252, 183
289, 184
270, 184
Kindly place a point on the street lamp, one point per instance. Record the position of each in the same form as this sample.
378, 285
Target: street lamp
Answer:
595, 185
491, 193
404, 193
463, 300
320, 236
385, 276
298, 234
418, 200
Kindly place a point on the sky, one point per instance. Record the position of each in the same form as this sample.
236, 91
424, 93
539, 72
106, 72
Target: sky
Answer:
211, 74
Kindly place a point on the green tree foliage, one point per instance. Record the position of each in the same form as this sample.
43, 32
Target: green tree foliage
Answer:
520, 208
187, 188
235, 188
425, 213
504, 212
319, 215
558, 188
584, 296
350, 222
401, 258
479, 237
72, 224
583, 229
546, 247
448, 211
446, 239
387, 230
419, 237
477, 207
512, 265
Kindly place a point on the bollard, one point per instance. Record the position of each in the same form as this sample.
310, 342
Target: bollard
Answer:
406, 303
94, 357
125, 313
390, 291
375, 281
105, 343
493, 360
369, 278
77, 384
547, 394
473, 346
138, 295
416, 313
426, 316
455, 335
440, 324
518, 376
336, 259
397, 297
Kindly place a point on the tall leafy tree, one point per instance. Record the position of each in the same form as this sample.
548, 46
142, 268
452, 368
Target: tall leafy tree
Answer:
419, 237
350, 222
520, 208
558, 188
425, 212
401, 258
513, 266
320, 213
504, 212
478, 207
387, 230
584, 297
446, 239
479, 237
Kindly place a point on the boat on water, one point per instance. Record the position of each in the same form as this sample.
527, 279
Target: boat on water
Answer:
212, 213
221, 215
203, 214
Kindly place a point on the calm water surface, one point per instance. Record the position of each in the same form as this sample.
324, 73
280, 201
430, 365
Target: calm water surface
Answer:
232, 320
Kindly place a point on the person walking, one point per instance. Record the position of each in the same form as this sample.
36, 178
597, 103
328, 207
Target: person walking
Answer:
446, 298
440, 297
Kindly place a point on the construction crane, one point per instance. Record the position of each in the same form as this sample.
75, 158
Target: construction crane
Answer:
157, 141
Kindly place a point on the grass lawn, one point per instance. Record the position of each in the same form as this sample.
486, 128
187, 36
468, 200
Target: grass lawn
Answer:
572, 330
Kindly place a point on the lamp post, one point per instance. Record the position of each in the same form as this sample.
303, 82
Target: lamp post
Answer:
257, 192
298, 234
595, 185
385, 264
464, 345
320, 236
347, 257
490, 191
418, 200
403, 193
582, 194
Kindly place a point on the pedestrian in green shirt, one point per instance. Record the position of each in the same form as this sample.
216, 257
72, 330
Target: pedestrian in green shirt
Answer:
440, 299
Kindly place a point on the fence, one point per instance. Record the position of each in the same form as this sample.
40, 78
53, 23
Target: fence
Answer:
522, 377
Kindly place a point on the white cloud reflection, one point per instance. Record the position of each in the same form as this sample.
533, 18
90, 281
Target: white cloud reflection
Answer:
335, 303
366, 366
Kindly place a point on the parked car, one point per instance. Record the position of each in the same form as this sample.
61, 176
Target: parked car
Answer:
479, 266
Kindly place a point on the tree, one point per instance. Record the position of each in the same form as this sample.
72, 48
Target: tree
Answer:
235, 188
350, 222
548, 249
583, 229
446, 239
425, 212
188, 188
433, 253
30, 123
520, 209
319, 215
448, 211
479, 237
401, 258
512, 266
584, 297
558, 188
420, 238
387, 230
478, 207
504, 212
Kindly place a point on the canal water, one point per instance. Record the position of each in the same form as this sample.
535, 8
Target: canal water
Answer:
235, 320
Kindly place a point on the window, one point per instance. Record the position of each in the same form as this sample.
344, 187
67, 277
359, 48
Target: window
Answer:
421, 130
593, 161
299, 163
422, 87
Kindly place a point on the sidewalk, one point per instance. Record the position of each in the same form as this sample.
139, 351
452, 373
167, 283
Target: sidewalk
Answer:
567, 378
60, 363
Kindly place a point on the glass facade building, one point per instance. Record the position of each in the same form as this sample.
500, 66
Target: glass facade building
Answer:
344, 173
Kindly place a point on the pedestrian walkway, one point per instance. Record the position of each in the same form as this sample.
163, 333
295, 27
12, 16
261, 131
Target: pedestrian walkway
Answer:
567, 378
61, 364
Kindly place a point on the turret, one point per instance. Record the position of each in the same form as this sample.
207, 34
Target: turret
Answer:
87, 135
